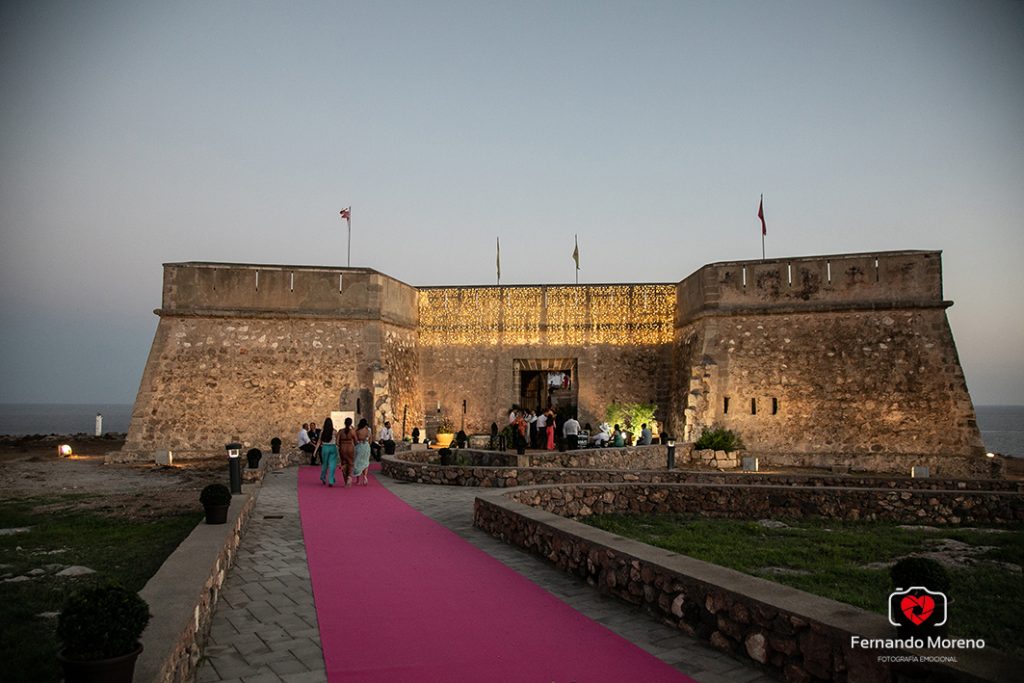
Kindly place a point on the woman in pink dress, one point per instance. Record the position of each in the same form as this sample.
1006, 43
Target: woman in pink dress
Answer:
551, 432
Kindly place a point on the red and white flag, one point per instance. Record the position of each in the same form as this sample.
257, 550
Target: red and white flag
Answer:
760, 214
347, 213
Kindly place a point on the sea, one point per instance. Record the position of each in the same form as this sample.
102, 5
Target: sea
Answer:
1002, 427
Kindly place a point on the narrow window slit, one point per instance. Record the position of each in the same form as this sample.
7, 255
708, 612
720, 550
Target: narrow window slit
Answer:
753, 406
775, 406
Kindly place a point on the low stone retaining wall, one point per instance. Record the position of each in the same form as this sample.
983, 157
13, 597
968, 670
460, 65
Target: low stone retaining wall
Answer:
628, 457
796, 635
777, 502
945, 466
422, 472
184, 591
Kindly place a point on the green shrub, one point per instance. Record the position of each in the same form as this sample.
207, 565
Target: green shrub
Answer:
215, 494
446, 426
719, 439
100, 622
919, 571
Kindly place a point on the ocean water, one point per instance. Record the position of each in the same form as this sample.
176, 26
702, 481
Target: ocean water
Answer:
19, 419
1002, 427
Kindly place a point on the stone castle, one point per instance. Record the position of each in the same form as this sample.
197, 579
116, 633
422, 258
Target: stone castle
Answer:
826, 360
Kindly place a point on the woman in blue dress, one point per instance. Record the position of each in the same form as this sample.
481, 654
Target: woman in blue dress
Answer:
328, 453
362, 462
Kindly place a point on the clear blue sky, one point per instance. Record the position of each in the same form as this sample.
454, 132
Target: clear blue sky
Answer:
138, 133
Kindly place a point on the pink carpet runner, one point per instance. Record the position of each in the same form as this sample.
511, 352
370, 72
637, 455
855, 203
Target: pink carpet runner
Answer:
399, 597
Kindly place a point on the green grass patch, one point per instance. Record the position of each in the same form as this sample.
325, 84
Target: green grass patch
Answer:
128, 551
834, 559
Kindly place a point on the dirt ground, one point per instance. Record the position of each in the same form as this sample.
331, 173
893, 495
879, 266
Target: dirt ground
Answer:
31, 468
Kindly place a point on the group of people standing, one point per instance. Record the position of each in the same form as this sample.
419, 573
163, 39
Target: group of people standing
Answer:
539, 428
346, 448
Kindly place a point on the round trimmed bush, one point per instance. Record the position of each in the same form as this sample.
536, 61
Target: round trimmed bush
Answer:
920, 571
101, 622
215, 494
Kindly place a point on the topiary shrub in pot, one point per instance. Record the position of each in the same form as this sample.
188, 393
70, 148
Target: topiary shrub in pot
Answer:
254, 455
99, 628
275, 445
215, 499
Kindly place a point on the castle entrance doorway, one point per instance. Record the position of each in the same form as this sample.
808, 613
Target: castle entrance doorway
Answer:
546, 382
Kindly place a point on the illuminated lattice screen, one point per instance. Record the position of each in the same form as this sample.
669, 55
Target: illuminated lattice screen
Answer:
571, 316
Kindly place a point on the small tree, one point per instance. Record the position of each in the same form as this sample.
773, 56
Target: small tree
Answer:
630, 416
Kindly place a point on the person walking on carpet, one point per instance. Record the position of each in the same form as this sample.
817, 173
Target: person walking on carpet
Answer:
347, 450
328, 452
362, 460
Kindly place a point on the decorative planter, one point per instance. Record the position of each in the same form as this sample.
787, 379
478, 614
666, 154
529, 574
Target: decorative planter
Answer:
216, 514
114, 670
444, 439
253, 457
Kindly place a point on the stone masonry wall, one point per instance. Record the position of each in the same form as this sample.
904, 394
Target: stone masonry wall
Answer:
770, 502
214, 380
833, 358
844, 355
484, 376
843, 382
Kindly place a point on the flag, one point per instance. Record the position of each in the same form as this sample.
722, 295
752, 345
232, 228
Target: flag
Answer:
347, 213
498, 261
576, 252
760, 214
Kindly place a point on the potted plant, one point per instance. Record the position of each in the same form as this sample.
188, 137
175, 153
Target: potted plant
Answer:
445, 432
275, 445
254, 455
215, 499
461, 439
100, 627
415, 434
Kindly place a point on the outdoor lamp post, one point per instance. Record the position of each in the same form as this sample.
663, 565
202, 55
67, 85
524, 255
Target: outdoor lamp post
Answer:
234, 467
671, 443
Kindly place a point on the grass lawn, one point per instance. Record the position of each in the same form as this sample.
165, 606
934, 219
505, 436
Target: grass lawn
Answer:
839, 560
128, 551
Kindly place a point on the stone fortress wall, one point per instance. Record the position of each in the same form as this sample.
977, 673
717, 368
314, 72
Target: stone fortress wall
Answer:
825, 358
850, 355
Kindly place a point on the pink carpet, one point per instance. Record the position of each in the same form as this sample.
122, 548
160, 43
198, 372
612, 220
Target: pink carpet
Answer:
401, 598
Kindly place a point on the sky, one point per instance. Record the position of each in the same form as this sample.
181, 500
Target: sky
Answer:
138, 133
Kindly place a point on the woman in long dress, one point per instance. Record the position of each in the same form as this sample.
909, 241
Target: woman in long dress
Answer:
347, 450
362, 452
328, 453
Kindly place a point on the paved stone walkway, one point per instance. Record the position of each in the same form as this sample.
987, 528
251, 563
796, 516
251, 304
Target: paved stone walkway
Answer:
265, 629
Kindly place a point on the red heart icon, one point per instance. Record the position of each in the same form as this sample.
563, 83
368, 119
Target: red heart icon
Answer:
917, 608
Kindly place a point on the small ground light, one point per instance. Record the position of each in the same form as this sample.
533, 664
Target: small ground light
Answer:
990, 455
64, 450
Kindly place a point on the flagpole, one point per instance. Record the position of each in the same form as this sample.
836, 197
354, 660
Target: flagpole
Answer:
497, 242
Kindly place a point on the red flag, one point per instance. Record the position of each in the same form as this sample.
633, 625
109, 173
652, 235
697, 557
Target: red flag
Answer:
347, 213
760, 214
